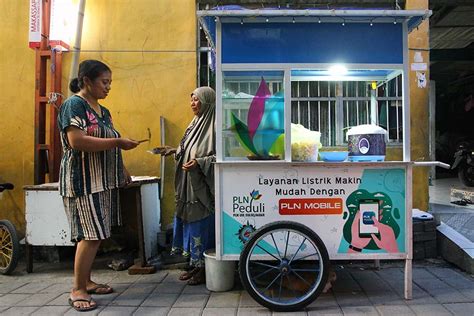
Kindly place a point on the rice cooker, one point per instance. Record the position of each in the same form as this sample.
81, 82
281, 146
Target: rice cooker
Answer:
366, 143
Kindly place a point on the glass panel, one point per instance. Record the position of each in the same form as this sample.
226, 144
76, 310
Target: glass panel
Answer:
253, 115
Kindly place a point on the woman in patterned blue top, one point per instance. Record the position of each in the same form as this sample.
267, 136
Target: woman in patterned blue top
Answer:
91, 172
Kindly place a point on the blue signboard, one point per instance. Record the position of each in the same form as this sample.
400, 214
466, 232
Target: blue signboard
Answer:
360, 43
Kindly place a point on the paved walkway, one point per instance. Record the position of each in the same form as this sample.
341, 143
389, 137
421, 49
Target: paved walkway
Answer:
438, 289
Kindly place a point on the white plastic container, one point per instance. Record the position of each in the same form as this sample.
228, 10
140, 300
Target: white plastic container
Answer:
219, 274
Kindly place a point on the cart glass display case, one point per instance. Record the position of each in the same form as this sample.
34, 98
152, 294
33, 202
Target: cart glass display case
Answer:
253, 115
331, 101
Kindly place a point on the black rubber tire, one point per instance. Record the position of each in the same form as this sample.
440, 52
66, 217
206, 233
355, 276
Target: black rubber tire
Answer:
9, 247
315, 289
466, 175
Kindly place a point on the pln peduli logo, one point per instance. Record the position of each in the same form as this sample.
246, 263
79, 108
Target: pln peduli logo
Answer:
248, 205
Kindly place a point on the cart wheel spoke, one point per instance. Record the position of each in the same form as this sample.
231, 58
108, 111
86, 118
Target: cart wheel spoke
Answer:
290, 286
300, 277
276, 247
263, 273
267, 251
286, 245
264, 264
4, 259
298, 250
281, 285
305, 270
271, 283
307, 256
9, 257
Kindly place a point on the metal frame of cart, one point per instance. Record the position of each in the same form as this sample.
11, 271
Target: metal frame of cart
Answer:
373, 45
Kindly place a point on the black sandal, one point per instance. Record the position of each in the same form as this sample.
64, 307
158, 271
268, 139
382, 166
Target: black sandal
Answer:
199, 277
188, 274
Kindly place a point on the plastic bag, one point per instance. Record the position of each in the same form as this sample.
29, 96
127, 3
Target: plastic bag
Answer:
304, 143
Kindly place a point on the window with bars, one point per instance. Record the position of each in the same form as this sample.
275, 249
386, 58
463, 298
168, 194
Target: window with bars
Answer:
332, 107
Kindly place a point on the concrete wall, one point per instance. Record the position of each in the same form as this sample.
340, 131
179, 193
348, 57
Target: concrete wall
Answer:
151, 49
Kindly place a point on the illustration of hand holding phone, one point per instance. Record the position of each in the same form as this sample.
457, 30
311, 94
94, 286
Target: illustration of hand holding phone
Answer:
368, 209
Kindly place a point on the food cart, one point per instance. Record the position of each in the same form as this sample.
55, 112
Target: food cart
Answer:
285, 219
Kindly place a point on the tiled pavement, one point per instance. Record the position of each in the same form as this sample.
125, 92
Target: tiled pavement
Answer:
438, 289
460, 218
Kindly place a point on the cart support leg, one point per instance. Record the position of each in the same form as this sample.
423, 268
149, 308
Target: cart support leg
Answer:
29, 258
408, 279
377, 264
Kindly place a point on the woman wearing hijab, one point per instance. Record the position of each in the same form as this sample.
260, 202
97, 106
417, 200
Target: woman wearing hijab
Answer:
194, 227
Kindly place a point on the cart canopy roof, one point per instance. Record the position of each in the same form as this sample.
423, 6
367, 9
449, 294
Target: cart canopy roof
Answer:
356, 37
239, 14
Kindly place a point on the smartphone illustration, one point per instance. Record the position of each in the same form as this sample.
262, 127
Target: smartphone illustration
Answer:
368, 208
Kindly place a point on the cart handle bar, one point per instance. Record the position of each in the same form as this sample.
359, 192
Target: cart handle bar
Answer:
431, 163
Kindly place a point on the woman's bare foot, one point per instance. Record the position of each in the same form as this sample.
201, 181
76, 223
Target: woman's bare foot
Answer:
81, 301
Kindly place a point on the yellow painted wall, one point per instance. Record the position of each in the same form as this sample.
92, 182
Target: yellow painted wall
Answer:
17, 65
150, 46
418, 41
151, 49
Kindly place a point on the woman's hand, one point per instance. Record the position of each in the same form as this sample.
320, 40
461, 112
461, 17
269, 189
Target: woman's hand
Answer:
190, 165
79, 140
127, 144
164, 150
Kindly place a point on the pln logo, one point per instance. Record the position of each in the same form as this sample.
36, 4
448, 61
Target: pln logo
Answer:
248, 205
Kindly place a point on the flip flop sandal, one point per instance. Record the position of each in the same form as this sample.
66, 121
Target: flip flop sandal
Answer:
460, 202
82, 309
100, 289
188, 274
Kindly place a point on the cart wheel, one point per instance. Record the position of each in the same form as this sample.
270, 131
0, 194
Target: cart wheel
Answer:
284, 266
9, 247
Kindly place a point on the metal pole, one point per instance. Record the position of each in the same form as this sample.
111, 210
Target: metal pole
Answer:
77, 42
